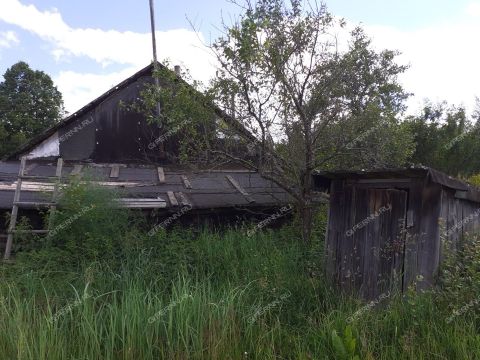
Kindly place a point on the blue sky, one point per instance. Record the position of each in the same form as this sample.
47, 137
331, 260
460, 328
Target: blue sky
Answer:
88, 46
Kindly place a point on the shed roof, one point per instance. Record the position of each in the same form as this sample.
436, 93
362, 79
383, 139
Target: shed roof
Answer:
471, 193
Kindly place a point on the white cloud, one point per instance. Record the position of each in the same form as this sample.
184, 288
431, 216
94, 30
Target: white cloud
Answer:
131, 49
7, 39
443, 58
473, 9
79, 89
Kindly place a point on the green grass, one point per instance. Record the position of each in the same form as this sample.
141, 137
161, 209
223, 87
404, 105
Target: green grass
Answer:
105, 290
232, 297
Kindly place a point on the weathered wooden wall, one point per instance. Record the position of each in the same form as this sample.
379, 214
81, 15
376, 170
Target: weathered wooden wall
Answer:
368, 259
398, 248
458, 219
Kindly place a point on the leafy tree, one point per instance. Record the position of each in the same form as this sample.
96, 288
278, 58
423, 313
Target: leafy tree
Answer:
446, 139
29, 103
304, 99
303, 102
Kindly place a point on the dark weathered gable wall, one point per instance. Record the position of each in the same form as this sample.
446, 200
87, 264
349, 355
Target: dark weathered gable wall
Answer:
110, 132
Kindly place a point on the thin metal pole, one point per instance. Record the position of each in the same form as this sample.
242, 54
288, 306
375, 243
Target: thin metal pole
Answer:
154, 46
152, 22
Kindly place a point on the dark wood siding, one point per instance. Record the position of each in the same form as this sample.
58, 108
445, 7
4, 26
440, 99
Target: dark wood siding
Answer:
365, 238
403, 247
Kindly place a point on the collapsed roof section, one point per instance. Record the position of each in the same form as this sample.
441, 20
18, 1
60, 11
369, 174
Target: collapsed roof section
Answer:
150, 187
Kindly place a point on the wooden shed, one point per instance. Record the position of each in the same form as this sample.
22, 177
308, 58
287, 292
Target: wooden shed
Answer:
388, 229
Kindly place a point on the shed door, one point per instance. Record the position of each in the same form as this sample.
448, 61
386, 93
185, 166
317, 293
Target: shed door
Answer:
379, 239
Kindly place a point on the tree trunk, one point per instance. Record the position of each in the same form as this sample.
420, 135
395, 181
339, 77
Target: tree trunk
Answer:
306, 213
306, 210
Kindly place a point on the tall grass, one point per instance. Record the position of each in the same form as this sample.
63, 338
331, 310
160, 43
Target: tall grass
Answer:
103, 289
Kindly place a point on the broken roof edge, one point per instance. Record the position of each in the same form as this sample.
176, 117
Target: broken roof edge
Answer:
417, 171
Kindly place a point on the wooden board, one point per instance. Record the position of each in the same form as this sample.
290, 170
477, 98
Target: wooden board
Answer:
172, 198
236, 185
365, 240
161, 175
186, 182
115, 171
239, 188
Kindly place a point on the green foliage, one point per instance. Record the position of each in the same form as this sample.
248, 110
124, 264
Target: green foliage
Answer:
99, 290
292, 85
461, 268
345, 347
87, 226
194, 295
474, 180
29, 104
446, 139
187, 114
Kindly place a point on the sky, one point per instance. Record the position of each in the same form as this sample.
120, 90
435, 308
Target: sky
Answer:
89, 46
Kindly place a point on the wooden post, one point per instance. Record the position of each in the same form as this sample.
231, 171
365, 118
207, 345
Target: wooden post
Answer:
161, 175
115, 171
56, 190
13, 217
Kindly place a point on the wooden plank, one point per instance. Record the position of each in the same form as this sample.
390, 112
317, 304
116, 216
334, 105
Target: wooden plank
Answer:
451, 221
44, 178
382, 181
172, 198
33, 203
161, 175
400, 219
241, 171
115, 171
345, 247
77, 169
13, 217
333, 232
236, 185
142, 203
53, 208
358, 202
411, 257
371, 248
186, 182
31, 231
429, 237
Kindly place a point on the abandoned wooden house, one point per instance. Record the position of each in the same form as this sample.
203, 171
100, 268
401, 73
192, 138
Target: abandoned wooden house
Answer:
390, 229
113, 144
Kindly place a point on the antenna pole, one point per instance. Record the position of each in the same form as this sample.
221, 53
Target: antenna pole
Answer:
152, 22
154, 46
